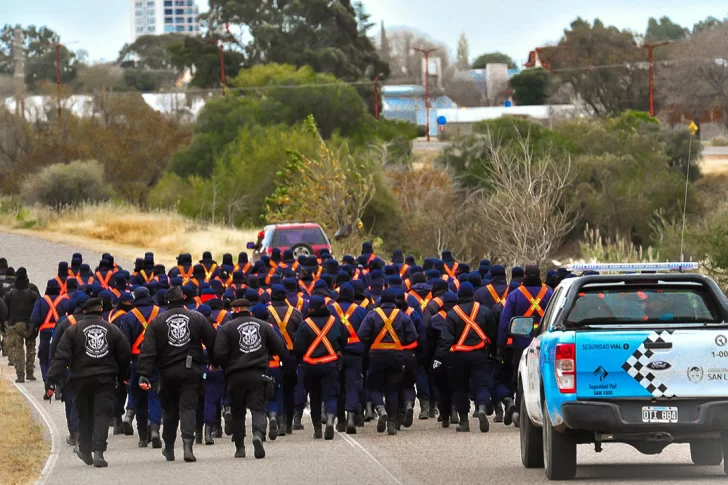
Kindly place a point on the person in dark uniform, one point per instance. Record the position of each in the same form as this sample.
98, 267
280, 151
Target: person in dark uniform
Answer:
318, 344
98, 356
468, 332
242, 348
173, 342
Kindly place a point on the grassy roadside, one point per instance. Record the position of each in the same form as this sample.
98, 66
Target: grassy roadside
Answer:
126, 231
22, 447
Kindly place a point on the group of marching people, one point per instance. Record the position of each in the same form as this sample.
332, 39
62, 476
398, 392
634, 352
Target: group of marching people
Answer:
360, 339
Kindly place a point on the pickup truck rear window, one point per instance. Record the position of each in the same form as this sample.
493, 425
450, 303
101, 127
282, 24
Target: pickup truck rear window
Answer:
634, 304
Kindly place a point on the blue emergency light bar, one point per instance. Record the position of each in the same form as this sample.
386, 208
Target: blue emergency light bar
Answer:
631, 267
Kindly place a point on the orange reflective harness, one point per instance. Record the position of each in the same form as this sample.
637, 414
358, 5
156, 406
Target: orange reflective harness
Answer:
62, 284
410, 311
422, 301
535, 302
320, 338
72, 319
136, 348
104, 279
470, 324
494, 294
116, 314
244, 269
144, 276
387, 329
451, 270
185, 275
344, 317
210, 272
52, 316
283, 324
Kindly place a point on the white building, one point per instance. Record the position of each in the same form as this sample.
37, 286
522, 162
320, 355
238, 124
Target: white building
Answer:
155, 17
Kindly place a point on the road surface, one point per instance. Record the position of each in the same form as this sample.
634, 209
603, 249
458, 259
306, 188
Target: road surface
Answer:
424, 454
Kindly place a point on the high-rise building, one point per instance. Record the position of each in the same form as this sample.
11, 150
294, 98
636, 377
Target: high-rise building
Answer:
154, 17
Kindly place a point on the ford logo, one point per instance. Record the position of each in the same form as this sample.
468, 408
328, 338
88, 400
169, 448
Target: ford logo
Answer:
659, 365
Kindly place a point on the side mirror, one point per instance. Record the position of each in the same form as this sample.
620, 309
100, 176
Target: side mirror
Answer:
250, 245
521, 326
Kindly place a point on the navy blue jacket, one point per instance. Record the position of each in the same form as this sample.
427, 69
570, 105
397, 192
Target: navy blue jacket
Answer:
132, 328
373, 324
305, 337
41, 309
355, 320
516, 306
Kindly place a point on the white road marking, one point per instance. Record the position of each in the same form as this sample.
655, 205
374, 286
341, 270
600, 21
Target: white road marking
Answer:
55, 437
355, 444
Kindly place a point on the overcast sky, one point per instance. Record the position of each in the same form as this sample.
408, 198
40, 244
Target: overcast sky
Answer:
512, 26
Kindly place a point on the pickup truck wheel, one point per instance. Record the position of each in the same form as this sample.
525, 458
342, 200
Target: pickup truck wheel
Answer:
706, 452
531, 440
559, 452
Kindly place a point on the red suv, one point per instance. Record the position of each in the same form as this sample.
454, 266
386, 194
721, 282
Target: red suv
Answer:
304, 239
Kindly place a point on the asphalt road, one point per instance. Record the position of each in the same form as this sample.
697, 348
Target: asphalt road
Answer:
423, 454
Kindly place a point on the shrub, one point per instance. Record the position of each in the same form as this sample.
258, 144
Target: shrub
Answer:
719, 141
68, 184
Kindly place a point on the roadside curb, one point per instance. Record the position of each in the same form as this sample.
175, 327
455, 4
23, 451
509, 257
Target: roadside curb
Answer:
55, 437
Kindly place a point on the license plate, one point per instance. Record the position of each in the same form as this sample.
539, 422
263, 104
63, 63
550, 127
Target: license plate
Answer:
659, 414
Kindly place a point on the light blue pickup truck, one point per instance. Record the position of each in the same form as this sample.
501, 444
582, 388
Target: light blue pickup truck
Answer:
638, 358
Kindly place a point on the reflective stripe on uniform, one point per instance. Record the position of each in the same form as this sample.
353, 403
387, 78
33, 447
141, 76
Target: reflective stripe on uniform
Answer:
321, 338
52, 316
136, 348
470, 324
283, 323
535, 302
387, 329
344, 317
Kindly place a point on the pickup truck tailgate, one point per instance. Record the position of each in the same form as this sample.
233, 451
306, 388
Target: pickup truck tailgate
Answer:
652, 363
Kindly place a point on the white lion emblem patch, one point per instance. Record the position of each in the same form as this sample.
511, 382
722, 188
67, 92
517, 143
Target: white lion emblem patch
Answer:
97, 346
178, 330
249, 337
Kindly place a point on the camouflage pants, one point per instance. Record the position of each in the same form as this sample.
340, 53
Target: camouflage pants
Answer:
21, 348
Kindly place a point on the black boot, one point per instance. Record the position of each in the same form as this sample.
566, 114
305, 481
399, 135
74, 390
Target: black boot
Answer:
510, 409
516, 420
227, 415
143, 437
464, 424
29, 376
118, 426
99, 461
289, 424
317, 434
368, 412
350, 423
272, 426
454, 418
424, 409
489, 409
281, 422
329, 433
239, 450
433, 409
127, 422
445, 421
341, 423
198, 435
483, 418
382, 420
85, 457
155, 438
409, 414
359, 419
168, 451
297, 424
216, 431
258, 446
209, 440
391, 427
498, 413
71, 439
187, 448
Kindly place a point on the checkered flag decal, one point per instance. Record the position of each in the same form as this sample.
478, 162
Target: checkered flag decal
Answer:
636, 365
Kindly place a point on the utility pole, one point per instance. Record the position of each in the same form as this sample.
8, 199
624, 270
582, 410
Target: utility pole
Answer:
650, 48
57, 46
426, 53
19, 73
376, 96
221, 45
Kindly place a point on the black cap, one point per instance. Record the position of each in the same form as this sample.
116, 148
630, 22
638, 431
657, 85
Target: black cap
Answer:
532, 271
241, 304
174, 294
93, 305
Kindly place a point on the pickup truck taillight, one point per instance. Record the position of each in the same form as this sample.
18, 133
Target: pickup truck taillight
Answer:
565, 368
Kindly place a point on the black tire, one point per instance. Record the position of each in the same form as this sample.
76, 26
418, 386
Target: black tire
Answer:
531, 440
300, 249
559, 451
706, 452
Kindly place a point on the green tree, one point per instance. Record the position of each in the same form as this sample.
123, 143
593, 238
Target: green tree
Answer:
463, 54
664, 30
385, 50
493, 58
619, 82
203, 58
149, 52
323, 34
709, 23
530, 87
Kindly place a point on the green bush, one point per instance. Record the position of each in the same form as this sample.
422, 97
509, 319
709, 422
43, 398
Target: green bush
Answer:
719, 141
67, 184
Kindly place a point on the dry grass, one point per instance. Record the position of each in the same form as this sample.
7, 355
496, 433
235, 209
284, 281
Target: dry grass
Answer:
22, 447
127, 232
714, 164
